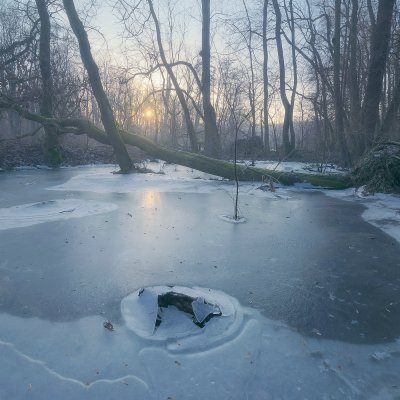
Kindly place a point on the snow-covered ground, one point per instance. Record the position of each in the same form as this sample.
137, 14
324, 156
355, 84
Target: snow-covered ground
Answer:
296, 166
240, 355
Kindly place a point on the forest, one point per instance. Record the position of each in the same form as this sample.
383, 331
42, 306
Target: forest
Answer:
199, 199
315, 81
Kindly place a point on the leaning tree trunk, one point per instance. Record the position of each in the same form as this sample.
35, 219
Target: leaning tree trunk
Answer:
107, 115
380, 38
189, 124
212, 144
52, 146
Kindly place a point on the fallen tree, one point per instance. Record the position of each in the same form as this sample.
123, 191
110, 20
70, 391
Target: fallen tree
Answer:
202, 163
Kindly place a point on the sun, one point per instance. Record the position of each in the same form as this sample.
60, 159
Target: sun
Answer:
148, 113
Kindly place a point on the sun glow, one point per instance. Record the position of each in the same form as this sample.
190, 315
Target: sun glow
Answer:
148, 113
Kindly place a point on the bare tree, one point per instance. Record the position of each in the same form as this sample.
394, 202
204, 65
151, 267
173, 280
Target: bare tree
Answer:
212, 144
265, 77
52, 146
379, 50
179, 92
287, 147
107, 115
291, 22
339, 110
355, 103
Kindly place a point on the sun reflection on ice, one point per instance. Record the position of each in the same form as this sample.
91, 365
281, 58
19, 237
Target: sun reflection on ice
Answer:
150, 199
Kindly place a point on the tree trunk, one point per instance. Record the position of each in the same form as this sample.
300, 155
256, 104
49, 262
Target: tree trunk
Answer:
52, 146
265, 77
107, 116
355, 104
189, 124
391, 114
282, 79
339, 111
212, 144
252, 89
380, 38
294, 72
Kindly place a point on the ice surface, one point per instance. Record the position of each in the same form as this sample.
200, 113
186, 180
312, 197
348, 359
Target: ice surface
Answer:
261, 359
383, 210
243, 355
101, 180
202, 309
50, 210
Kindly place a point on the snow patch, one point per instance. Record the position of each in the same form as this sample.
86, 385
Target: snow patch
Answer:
51, 210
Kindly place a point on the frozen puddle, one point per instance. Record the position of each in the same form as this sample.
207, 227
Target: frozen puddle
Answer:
237, 355
52, 210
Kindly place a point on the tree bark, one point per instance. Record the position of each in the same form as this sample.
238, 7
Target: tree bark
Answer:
212, 144
107, 116
252, 86
265, 77
52, 146
391, 114
355, 104
282, 79
294, 71
380, 38
339, 110
189, 124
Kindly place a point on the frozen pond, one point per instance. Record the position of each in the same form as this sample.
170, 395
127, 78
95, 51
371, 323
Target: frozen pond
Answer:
317, 289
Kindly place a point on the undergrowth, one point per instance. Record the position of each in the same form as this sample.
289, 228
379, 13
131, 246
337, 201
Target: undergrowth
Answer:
379, 169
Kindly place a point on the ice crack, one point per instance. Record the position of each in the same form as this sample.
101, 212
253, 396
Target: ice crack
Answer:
85, 385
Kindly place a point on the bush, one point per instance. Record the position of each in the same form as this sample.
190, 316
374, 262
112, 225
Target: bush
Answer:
379, 169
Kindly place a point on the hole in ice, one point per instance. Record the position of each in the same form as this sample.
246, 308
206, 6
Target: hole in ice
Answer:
232, 219
200, 310
164, 312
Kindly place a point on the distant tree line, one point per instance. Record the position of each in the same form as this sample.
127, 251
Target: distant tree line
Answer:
321, 77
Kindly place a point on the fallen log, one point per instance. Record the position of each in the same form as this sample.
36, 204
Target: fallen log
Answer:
200, 162
220, 168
